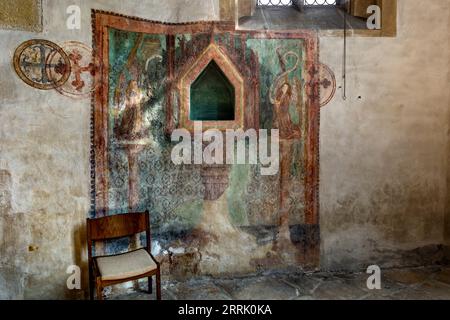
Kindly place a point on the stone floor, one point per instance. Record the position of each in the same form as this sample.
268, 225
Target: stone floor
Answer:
397, 284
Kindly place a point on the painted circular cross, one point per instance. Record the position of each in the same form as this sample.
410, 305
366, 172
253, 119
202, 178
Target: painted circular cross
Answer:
327, 84
81, 80
32, 66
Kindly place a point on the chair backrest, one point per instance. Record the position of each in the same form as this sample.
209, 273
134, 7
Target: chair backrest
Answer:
117, 226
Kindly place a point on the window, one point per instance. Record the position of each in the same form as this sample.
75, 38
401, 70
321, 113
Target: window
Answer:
274, 2
327, 16
319, 2
290, 2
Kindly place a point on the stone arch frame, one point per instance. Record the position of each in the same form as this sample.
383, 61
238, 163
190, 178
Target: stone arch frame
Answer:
188, 77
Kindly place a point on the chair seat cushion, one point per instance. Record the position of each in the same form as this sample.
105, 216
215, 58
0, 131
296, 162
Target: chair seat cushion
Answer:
126, 265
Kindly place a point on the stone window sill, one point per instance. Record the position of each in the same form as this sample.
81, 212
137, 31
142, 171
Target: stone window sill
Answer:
329, 21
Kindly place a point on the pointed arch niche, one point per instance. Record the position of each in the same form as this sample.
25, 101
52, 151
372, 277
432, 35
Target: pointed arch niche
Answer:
212, 91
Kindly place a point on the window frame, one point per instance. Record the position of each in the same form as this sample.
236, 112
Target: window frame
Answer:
389, 21
229, 11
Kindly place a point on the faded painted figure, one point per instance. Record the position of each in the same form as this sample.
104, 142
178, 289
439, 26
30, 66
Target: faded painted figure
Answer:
284, 98
130, 124
134, 90
283, 95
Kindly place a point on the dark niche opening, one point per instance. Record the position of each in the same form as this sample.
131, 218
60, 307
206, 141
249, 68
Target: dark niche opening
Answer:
212, 96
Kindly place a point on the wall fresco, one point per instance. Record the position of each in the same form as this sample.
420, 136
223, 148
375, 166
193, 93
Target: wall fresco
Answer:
207, 219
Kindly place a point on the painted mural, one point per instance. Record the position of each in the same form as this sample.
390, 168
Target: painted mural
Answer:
207, 219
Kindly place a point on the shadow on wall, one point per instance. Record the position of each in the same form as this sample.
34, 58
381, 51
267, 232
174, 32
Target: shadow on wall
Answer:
80, 260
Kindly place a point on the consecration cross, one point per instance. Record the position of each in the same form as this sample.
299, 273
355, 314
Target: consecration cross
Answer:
41, 64
75, 58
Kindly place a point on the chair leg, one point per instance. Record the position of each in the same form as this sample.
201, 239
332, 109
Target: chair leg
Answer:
158, 285
150, 285
91, 285
91, 290
99, 291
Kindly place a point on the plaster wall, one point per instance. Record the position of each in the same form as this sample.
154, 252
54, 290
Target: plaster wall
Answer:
383, 151
384, 157
44, 157
447, 225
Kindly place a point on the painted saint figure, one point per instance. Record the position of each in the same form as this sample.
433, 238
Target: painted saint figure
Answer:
284, 95
129, 126
282, 119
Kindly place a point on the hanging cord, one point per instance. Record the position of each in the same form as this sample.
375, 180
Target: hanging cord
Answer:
344, 68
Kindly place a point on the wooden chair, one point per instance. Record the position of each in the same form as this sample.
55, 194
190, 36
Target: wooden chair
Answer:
106, 271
